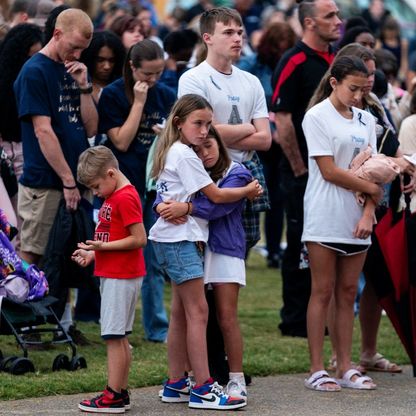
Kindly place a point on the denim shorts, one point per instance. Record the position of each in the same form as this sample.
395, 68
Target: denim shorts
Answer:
181, 261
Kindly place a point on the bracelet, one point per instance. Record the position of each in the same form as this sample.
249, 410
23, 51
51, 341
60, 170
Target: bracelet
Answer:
69, 187
87, 89
189, 208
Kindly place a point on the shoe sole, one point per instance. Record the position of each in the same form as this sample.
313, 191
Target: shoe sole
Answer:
214, 406
101, 410
181, 399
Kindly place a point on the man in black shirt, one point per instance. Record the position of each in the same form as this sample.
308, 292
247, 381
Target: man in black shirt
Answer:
294, 82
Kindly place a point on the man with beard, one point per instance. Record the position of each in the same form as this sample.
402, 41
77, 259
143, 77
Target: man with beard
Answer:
294, 81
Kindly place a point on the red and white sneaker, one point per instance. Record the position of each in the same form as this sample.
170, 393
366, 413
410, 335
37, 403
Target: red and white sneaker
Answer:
108, 401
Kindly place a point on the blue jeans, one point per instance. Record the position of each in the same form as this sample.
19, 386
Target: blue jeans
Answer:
155, 320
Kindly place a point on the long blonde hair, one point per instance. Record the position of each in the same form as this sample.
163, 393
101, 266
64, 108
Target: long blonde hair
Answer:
183, 107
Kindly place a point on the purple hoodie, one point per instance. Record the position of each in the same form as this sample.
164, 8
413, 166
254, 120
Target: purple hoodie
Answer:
226, 232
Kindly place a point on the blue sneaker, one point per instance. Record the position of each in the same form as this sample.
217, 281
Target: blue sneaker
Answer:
177, 392
212, 396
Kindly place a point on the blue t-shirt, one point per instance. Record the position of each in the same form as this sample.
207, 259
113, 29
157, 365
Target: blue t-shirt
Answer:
44, 88
114, 108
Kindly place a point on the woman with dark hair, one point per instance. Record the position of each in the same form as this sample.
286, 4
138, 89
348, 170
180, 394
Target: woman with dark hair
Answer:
337, 230
358, 34
51, 20
128, 29
104, 59
277, 38
20, 43
129, 110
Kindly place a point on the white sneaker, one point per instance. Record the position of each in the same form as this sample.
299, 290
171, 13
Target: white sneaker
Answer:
236, 389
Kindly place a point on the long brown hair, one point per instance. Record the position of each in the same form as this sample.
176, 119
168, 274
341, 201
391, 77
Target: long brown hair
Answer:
340, 69
182, 108
217, 172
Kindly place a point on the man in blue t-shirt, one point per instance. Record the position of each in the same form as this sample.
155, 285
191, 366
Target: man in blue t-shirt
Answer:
57, 115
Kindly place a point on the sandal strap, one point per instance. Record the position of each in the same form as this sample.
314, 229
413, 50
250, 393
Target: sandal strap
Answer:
321, 377
348, 375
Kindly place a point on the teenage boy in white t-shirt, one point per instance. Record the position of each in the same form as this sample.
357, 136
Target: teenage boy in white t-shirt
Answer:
240, 117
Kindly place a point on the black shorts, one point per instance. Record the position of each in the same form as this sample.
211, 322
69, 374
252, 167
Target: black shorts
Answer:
346, 249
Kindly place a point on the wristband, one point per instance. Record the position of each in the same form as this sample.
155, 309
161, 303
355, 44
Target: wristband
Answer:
69, 187
189, 208
87, 89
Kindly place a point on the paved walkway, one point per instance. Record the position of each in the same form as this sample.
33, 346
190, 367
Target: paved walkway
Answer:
280, 396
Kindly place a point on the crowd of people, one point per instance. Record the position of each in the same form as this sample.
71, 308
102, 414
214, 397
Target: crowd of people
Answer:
177, 132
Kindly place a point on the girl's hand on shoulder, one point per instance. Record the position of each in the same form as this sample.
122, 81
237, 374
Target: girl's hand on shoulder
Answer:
82, 257
364, 228
254, 190
140, 91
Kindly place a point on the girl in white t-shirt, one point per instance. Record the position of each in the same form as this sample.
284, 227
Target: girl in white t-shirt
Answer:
180, 173
336, 229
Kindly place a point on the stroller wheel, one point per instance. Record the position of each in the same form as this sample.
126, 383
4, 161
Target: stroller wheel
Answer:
21, 366
61, 362
6, 363
77, 362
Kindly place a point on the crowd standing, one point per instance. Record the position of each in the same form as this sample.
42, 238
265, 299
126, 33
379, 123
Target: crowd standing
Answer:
184, 126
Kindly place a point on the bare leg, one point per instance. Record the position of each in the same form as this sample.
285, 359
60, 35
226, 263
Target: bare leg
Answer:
370, 315
226, 302
118, 363
177, 352
323, 273
192, 298
348, 271
29, 257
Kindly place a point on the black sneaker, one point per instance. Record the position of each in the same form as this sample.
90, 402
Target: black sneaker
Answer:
126, 399
107, 402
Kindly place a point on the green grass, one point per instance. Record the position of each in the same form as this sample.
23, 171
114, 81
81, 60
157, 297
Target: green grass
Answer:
266, 352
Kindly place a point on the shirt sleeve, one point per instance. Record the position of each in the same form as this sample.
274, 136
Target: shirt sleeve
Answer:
131, 209
193, 174
189, 84
316, 135
260, 105
32, 94
202, 207
285, 84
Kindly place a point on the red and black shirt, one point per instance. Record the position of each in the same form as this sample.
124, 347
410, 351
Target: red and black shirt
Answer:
294, 81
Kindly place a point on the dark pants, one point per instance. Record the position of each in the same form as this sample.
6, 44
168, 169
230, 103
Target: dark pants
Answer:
273, 225
296, 282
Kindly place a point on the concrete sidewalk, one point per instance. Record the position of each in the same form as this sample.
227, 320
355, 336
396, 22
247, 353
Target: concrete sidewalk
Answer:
280, 396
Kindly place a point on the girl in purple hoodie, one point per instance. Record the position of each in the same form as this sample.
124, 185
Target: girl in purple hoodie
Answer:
224, 266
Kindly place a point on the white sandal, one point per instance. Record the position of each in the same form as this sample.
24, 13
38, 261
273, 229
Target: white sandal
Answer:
317, 380
360, 383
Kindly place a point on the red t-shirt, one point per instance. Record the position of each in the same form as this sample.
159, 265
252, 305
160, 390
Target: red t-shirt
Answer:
121, 209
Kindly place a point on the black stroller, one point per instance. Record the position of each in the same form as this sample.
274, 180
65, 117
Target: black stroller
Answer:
27, 318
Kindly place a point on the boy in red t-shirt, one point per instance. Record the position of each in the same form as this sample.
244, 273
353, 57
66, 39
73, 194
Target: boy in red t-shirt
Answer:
117, 251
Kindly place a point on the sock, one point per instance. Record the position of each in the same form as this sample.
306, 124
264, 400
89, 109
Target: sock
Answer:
66, 320
238, 378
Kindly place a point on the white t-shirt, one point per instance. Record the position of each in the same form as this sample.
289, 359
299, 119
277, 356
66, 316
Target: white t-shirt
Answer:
236, 98
182, 176
331, 212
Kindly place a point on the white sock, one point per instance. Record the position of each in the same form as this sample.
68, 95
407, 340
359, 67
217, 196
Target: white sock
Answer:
237, 377
66, 320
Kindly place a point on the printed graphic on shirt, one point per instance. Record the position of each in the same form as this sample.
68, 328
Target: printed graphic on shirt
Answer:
69, 100
359, 143
145, 134
102, 231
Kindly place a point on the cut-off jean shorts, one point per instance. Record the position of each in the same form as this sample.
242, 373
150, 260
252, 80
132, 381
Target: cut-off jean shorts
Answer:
181, 261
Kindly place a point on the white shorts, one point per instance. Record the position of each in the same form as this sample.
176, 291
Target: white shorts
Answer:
220, 268
118, 306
